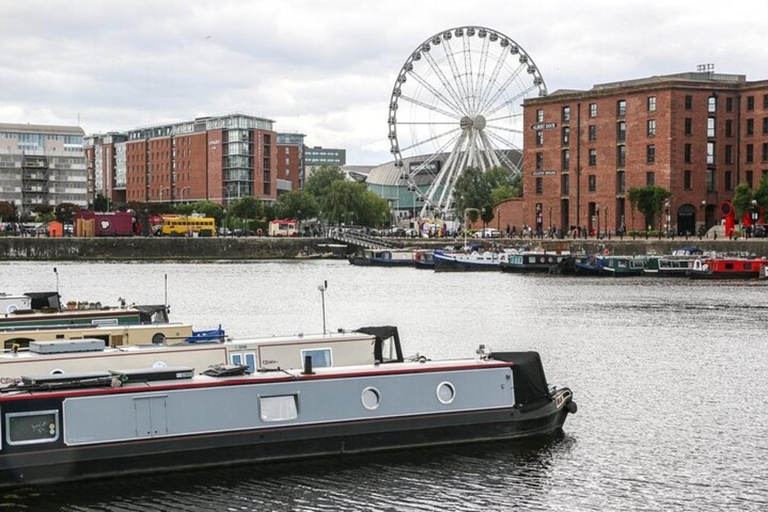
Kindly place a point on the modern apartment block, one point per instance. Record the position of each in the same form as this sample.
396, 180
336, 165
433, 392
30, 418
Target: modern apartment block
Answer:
218, 159
317, 156
42, 165
290, 162
697, 134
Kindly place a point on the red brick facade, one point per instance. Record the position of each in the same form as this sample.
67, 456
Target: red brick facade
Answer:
688, 133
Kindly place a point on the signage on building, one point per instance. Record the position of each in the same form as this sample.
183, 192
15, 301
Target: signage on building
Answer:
543, 173
543, 126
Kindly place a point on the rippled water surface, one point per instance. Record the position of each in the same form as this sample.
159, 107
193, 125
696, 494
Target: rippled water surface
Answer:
669, 376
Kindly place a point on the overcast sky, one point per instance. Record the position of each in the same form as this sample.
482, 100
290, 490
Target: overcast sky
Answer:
326, 68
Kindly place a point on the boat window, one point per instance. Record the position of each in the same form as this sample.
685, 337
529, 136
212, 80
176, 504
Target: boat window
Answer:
446, 392
32, 427
250, 361
747, 266
279, 408
729, 266
321, 357
236, 359
371, 398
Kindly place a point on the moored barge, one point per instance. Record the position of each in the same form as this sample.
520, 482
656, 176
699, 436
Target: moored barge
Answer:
59, 429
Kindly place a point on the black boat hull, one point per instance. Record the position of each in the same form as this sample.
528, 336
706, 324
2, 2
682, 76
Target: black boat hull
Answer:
64, 464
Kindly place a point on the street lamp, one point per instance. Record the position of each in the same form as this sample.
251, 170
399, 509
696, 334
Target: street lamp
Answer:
605, 221
597, 215
755, 216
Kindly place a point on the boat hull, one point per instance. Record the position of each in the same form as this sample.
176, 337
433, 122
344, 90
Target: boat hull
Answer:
374, 262
285, 443
705, 274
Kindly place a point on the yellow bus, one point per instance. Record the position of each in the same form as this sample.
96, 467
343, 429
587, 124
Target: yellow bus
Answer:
182, 225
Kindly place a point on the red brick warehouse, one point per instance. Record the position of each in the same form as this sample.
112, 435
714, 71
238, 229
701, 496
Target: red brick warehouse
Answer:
696, 134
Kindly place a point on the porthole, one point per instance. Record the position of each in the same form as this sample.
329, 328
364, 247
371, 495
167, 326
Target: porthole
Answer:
57, 371
160, 364
446, 392
371, 398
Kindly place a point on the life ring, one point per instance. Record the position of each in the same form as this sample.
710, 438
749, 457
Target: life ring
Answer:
258, 231
606, 251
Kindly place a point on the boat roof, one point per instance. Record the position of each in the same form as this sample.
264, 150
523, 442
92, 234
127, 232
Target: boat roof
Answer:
102, 384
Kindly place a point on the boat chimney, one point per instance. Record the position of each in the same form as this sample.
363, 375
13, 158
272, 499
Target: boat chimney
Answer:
308, 365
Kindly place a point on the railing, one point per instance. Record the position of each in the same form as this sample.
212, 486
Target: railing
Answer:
360, 240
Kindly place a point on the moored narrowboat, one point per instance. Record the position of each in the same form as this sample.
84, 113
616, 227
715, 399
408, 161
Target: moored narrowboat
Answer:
382, 258
474, 261
60, 429
727, 268
623, 266
534, 262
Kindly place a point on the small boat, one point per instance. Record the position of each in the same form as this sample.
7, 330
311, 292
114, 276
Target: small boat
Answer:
727, 268
623, 266
43, 308
424, 259
383, 258
62, 428
676, 264
534, 262
477, 260
201, 350
308, 254
113, 335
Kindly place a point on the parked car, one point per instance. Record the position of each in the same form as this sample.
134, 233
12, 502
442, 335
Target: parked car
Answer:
487, 233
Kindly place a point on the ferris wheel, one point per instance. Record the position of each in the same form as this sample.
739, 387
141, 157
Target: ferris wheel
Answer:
456, 103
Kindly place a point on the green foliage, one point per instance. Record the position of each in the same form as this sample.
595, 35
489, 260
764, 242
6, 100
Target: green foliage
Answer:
504, 192
350, 202
100, 203
247, 208
321, 179
373, 211
205, 208
486, 214
8, 212
742, 199
65, 211
299, 205
476, 188
472, 214
761, 194
648, 200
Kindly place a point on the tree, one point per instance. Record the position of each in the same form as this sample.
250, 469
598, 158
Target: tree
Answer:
476, 188
742, 200
299, 205
472, 190
341, 200
8, 212
247, 208
65, 211
486, 214
649, 200
100, 203
373, 211
321, 179
761, 194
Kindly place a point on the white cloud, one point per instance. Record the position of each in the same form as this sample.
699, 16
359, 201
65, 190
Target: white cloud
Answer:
326, 68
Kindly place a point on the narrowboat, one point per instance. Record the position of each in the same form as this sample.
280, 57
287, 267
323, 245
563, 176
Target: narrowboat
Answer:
258, 354
469, 261
130, 421
44, 308
113, 335
382, 258
623, 266
676, 264
590, 265
727, 268
534, 262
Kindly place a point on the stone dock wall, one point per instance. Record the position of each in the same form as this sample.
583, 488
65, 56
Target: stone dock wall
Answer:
260, 248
